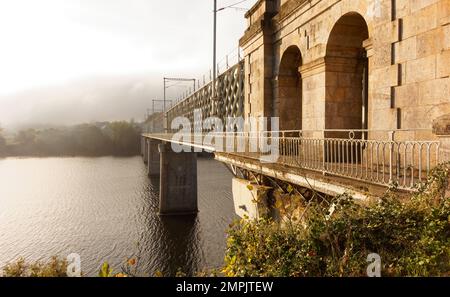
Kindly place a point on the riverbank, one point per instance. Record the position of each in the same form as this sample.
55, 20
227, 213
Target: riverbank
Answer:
98, 139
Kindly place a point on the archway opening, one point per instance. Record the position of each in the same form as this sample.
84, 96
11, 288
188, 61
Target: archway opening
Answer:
347, 77
287, 103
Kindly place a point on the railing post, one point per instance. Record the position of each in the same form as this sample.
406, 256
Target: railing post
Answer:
324, 154
391, 156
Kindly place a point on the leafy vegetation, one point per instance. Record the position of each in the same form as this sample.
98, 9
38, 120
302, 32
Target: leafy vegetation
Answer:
54, 268
334, 237
324, 236
2, 142
129, 269
117, 138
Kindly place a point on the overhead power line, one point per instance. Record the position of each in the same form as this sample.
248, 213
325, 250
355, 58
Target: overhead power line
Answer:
233, 5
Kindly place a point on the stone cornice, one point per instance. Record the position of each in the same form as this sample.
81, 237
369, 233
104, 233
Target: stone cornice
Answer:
263, 26
251, 32
368, 45
254, 8
289, 8
312, 67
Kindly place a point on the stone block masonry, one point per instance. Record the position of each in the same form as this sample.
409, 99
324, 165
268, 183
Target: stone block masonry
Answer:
396, 53
178, 182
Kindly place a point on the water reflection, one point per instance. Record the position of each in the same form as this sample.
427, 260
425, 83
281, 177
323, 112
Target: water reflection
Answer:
106, 209
175, 238
181, 240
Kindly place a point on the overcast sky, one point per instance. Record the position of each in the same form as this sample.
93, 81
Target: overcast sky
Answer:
68, 61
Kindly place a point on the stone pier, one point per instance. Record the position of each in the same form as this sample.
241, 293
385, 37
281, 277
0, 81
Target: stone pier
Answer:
178, 182
178, 176
144, 150
153, 157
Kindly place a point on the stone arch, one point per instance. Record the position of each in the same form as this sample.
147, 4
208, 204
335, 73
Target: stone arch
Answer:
287, 102
346, 65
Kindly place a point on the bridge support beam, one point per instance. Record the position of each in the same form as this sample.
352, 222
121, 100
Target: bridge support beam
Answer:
178, 182
153, 157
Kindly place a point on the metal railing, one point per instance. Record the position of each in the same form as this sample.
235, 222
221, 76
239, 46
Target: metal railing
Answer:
375, 157
229, 88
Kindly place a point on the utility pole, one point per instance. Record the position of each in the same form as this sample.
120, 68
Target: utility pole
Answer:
214, 51
168, 79
165, 123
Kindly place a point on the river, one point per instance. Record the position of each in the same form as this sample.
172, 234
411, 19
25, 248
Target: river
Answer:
105, 209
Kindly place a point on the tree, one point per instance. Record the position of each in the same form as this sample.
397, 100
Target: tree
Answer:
26, 137
2, 142
124, 136
90, 140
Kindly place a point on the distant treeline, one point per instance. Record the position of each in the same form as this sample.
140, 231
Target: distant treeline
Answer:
101, 139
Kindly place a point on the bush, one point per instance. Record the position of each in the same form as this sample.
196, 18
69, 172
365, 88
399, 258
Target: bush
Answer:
334, 239
53, 268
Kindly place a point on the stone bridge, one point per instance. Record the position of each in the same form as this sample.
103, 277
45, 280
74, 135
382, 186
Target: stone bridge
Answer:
360, 88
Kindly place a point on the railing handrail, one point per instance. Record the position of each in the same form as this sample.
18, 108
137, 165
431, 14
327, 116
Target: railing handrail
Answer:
301, 133
259, 135
377, 161
329, 130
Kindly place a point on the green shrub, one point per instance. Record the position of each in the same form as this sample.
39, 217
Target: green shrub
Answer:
53, 268
412, 237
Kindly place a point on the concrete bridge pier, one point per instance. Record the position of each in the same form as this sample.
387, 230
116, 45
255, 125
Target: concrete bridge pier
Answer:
178, 182
153, 157
144, 145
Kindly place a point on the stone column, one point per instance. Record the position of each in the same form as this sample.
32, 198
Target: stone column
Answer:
153, 158
178, 182
313, 106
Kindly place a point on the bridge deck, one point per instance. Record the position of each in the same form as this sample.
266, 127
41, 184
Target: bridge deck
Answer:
295, 164
319, 181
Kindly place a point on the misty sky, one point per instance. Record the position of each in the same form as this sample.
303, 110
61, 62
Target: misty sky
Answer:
70, 61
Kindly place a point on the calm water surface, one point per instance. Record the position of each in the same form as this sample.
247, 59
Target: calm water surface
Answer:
105, 209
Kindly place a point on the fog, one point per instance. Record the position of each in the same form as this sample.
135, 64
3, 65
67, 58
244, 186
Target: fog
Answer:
69, 61
89, 100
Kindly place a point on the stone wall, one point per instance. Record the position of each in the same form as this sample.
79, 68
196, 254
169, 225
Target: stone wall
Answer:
407, 48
